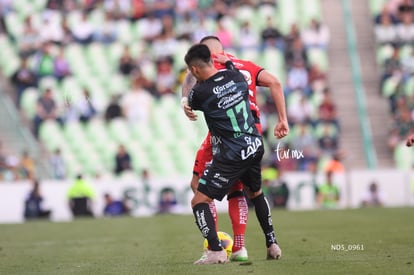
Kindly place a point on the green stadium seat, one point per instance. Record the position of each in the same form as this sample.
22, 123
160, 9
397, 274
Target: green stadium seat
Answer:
73, 17
14, 24
74, 132
406, 51
125, 32
116, 84
404, 157
118, 130
262, 13
376, 6
383, 52
320, 128
409, 87
29, 101
39, 5
181, 50
316, 99
309, 9
244, 13
97, 17
293, 98
250, 54
319, 57
50, 135
273, 60
114, 53
9, 60
296, 130
11, 65
48, 82
287, 14
390, 86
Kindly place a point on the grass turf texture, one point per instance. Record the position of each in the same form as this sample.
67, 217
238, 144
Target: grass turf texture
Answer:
169, 245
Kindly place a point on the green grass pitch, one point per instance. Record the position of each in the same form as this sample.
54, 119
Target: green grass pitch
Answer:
313, 242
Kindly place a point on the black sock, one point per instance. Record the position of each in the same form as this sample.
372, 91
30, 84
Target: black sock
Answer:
205, 222
264, 216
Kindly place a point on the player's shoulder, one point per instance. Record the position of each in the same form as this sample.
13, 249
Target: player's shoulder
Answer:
243, 64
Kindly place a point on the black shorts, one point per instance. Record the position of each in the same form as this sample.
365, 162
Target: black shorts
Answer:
218, 178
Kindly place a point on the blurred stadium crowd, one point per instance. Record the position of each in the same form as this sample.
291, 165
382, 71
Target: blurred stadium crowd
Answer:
394, 33
99, 80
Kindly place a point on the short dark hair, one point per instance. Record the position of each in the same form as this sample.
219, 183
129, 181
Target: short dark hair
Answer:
208, 37
198, 54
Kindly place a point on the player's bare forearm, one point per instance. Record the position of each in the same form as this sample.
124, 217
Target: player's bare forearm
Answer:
188, 83
275, 87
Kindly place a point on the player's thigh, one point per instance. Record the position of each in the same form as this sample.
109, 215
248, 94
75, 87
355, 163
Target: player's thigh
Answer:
204, 155
252, 177
219, 177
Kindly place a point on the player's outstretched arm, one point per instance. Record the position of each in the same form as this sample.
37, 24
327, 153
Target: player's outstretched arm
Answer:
268, 80
189, 82
410, 140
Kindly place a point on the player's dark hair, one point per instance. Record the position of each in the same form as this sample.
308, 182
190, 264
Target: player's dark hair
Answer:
198, 54
208, 37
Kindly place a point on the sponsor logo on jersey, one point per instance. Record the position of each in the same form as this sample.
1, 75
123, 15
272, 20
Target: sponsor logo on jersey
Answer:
252, 148
228, 101
219, 89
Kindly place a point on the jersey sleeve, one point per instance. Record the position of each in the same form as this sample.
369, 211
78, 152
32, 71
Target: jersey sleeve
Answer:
254, 70
192, 100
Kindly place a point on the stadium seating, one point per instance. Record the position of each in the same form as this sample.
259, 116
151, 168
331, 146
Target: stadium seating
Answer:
396, 85
168, 143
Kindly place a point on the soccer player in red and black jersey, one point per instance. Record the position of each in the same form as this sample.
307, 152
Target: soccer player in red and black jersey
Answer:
255, 76
223, 97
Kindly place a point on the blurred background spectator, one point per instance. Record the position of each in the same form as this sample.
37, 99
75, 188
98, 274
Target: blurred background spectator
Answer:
57, 164
33, 204
26, 166
328, 193
123, 160
167, 201
61, 66
7, 165
279, 191
113, 110
46, 109
127, 63
316, 35
373, 197
81, 195
105, 60
114, 207
23, 78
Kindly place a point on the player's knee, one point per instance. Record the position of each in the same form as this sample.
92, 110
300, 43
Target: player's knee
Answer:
235, 194
251, 195
199, 198
194, 183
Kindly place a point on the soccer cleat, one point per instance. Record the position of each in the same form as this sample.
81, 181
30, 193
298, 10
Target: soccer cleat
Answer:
274, 252
203, 256
240, 255
212, 257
